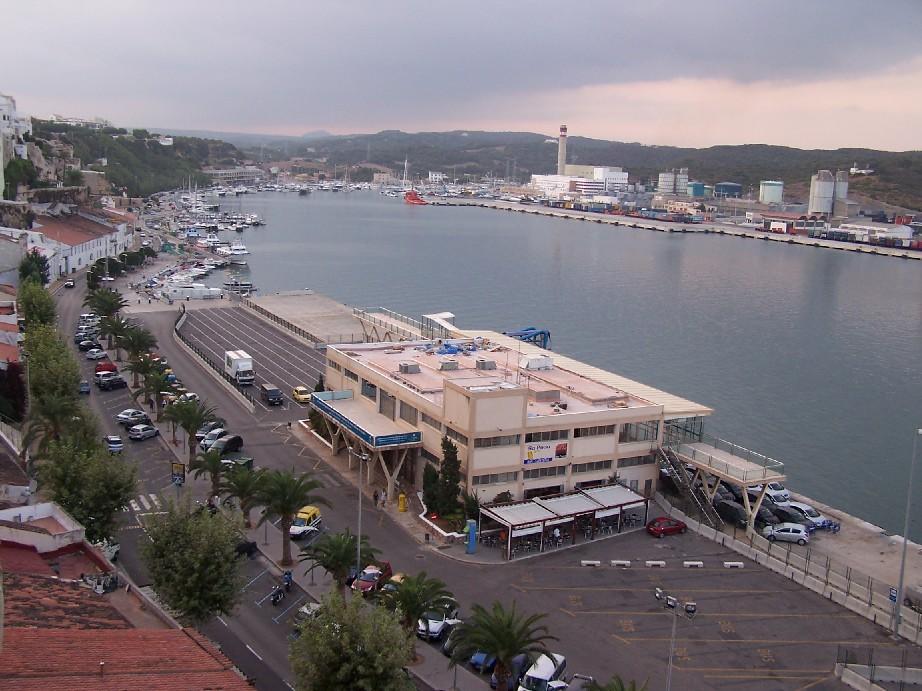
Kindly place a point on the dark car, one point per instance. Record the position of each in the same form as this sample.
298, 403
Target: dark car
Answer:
227, 444
246, 548
84, 346
732, 512
663, 526
84, 387
207, 427
785, 514
483, 661
766, 517
451, 642
112, 383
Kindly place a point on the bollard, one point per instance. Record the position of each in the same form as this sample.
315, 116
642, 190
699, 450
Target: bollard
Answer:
733, 564
693, 564
621, 563
590, 562
654, 564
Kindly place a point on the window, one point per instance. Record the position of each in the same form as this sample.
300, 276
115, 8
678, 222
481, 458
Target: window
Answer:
598, 431
431, 457
369, 390
351, 375
457, 436
635, 461
432, 422
592, 466
553, 435
639, 431
488, 442
544, 472
387, 404
408, 413
494, 478
335, 365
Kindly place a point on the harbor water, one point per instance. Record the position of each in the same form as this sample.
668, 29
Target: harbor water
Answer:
807, 355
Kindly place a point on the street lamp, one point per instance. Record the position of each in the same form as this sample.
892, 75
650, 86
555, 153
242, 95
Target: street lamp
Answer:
676, 608
899, 590
358, 536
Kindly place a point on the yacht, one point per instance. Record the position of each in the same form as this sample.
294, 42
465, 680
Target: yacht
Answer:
236, 249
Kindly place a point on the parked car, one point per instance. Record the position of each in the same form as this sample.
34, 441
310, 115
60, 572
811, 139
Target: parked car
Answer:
775, 490
519, 665
434, 625
732, 512
89, 344
107, 366
482, 662
211, 438
96, 354
208, 427
372, 578
810, 514
393, 583
771, 500
114, 443
69, 283
301, 394
88, 318
84, 387
229, 443
142, 432
186, 397
87, 335
132, 416
663, 526
766, 517
230, 464
546, 673
451, 642
110, 383
785, 514
304, 614
787, 532
100, 377
307, 522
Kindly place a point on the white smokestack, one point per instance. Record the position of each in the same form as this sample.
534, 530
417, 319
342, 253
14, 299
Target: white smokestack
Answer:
562, 151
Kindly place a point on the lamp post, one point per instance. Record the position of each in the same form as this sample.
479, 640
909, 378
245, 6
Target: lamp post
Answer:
899, 590
358, 536
675, 607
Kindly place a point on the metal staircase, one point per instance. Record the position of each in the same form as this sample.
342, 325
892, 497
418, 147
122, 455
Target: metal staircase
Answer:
670, 462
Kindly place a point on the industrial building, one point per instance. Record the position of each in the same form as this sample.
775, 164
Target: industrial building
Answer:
245, 175
771, 191
728, 189
829, 195
673, 182
696, 189
578, 180
525, 420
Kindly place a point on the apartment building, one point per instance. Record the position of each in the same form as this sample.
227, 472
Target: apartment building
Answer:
525, 420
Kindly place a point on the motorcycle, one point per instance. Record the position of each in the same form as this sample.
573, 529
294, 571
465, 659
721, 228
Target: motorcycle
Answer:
277, 595
287, 580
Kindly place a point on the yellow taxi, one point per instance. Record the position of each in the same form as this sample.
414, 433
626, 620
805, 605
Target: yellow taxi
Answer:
306, 523
301, 394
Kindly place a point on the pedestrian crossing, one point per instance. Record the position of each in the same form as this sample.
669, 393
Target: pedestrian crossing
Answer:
146, 503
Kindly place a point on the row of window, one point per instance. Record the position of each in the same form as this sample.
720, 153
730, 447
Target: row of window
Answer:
431, 421
408, 413
639, 431
335, 365
552, 435
592, 466
637, 460
456, 435
350, 374
598, 431
535, 473
495, 478
506, 440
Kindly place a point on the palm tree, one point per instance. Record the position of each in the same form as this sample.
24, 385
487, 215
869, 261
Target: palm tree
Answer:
105, 302
245, 486
616, 683
140, 368
209, 463
502, 633
335, 553
283, 495
154, 383
48, 419
416, 595
137, 341
190, 415
114, 328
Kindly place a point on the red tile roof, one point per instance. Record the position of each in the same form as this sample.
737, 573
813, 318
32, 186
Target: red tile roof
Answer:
149, 659
72, 230
45, 602
16, 558
9, 353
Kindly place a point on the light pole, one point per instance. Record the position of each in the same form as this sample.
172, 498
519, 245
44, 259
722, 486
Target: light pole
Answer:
358, 536
674, 607
899, 590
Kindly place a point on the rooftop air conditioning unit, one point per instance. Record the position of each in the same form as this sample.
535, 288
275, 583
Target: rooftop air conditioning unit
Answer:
409, 367
448, 364
485, 363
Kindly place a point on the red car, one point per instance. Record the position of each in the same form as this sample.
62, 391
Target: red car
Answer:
372, 578
663, 526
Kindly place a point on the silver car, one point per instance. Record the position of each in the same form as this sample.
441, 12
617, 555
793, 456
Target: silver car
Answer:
787, 532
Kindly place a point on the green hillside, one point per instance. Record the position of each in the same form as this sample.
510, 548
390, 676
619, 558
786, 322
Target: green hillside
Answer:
137, 163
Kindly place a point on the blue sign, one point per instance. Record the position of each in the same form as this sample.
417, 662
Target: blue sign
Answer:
178, 473
395, 439
893, 594
384, 440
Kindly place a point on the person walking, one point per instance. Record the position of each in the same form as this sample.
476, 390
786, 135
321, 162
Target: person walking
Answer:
376, 498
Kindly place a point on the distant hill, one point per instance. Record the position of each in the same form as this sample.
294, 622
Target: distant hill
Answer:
137, 163
897, 181
244, 139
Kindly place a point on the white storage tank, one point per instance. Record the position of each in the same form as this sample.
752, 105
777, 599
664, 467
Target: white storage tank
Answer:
771, 191
822, 193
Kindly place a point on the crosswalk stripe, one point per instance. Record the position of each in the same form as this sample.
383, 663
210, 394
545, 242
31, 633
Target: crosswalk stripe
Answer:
134, 505
144, 502
155, 500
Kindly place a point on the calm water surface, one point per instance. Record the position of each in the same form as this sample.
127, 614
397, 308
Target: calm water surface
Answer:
809, 356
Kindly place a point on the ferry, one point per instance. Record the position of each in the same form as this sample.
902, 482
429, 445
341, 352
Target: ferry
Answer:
238, 286
411, 197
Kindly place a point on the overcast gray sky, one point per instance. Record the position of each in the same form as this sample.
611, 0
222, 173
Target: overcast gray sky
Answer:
808, 73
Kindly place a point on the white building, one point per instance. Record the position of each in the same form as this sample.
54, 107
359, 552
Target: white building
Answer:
673, 182
552, 186
593, 180
243, 175
436, 177
771, 191
74, 242
13, 123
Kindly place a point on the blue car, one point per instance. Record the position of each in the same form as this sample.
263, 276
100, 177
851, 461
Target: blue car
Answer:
483, 662
85, 387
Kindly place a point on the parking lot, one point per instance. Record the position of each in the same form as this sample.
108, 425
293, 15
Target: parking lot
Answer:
278, 359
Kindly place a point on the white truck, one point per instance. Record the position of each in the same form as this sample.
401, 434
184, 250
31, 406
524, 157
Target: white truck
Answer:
238, 365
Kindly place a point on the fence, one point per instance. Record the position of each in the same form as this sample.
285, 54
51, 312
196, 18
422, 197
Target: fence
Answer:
898, 667
298, 331
854, 590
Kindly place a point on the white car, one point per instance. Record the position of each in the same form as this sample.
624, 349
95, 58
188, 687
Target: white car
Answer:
787, 532
435, 624
809, 513
96, 354
131, 416
776, 491
546, 673
142, 432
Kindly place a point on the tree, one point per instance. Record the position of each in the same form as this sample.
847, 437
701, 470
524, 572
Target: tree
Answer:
35, 266
245, 486
616, 683
115, 328
90, 484
503, 633
18, 172
140, 367
193, 563
449, 478
416, 595
335, 553
105, 302
190, 416
208, 463
13, 391
154, 384
350, 646
73, 178
48, 418
36, 303
53, 371
283, 495
431, 487
471, 505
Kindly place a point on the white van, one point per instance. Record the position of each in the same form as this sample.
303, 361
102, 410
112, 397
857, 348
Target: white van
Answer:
546, 674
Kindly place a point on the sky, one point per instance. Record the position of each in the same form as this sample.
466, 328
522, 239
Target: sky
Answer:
804, 73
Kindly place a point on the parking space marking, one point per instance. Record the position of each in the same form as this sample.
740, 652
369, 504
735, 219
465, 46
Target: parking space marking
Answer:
606, 588
253, 580
144, 502
748, 641
726, 626
287, 609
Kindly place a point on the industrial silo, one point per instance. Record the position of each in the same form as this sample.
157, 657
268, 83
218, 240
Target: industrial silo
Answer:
822, 192
771, 191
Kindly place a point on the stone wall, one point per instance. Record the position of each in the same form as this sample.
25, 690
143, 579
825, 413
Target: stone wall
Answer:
15, 215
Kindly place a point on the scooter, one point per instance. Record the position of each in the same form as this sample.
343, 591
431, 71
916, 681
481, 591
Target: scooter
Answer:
287, 580
277, 595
